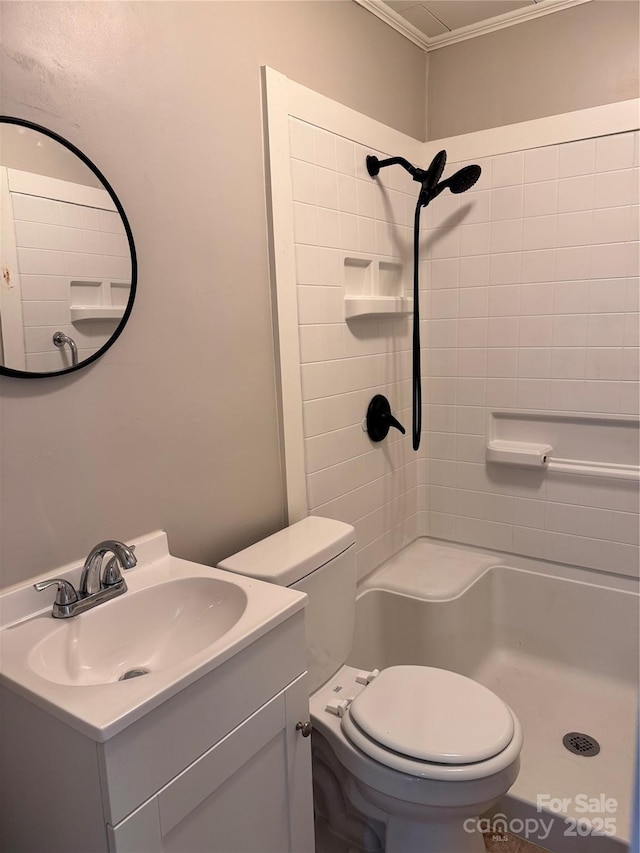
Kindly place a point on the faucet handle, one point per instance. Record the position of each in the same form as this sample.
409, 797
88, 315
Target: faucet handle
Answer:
66, 593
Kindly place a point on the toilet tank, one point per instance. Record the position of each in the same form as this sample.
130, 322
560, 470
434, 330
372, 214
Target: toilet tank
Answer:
316, 556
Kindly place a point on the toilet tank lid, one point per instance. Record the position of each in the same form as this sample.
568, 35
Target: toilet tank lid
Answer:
294, 552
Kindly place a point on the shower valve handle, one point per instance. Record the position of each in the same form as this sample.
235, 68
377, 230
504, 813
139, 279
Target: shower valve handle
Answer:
379, 419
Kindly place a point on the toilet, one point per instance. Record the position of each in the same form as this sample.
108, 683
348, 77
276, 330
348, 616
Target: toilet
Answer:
404, 759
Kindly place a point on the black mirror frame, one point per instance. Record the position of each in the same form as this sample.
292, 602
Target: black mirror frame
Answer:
23, 374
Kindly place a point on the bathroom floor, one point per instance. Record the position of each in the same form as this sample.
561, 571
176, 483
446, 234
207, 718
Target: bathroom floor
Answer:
509, 844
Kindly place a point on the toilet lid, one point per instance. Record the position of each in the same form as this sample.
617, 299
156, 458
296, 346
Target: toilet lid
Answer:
433, 715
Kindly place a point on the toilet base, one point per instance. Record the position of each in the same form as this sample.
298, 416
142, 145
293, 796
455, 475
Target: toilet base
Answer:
351, 818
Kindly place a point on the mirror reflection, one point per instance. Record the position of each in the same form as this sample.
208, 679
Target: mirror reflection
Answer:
66, 255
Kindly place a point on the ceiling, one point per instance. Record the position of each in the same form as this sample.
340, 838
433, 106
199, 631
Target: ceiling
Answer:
435, 23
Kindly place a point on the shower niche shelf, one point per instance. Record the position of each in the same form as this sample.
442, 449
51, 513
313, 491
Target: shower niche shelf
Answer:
374, 287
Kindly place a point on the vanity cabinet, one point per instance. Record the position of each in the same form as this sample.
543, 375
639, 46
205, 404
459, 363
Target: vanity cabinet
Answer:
217, 768
247, 794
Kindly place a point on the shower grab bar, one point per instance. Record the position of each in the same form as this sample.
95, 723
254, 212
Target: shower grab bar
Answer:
60, 339
526, 454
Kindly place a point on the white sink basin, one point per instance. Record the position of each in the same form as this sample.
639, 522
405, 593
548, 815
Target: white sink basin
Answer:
177, 621
146, 630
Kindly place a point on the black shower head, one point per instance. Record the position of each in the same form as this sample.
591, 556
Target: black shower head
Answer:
459, 182
464, 179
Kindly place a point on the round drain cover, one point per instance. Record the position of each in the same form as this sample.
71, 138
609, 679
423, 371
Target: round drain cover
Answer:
581, 744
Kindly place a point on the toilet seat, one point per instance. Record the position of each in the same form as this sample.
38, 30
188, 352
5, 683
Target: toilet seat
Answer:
432, 723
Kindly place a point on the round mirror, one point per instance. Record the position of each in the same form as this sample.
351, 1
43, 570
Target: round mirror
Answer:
67, 259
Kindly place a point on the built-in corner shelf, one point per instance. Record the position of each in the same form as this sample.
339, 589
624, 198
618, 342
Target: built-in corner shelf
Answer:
96, 312
374, 287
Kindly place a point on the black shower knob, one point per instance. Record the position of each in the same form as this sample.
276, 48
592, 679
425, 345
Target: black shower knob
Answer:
380, 420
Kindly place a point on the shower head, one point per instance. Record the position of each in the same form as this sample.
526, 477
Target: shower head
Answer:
430, 178
459, 182
464, 179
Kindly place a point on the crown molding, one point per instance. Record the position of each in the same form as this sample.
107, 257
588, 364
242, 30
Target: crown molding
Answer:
500, 22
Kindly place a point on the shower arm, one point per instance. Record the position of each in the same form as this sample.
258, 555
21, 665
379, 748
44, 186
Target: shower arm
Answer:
374, 165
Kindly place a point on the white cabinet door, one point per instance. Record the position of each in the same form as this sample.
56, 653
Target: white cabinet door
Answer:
250, 793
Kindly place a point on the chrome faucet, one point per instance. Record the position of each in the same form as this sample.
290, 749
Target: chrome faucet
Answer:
96, 584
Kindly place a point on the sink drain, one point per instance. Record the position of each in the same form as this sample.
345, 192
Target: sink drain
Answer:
132, 673
581, 744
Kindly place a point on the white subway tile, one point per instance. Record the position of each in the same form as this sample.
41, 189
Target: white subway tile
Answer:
573, 263
474, 271
444, 242
502, 363
615, 152
472, 362
445, 272
34, 209
630, 398
506, 236
502, 331
568, 363
569, 330
507, 203
327, 188
605, 330
611, 260
501, 393
366, 198
616, 189
349, 232
601, 396
505, 268
539, 232
328, 228
577, 158
538, 266
566, 395
604, 363
541, 164
444, 304
535, 331
347, 194
507, 169
575, 193
608, 296
366, 235
504, 301
536, 298
575, 229
477, 207
472, 332
532, 393
534, 363
470, 391
305, 223
301, 140
473, 301
632, 330
345, 156
474, 239
324, 144
303, 181
529, 541
540, 199
615, 224
470, 420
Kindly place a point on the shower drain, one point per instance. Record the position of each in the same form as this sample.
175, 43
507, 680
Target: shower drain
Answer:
132, 673
581, 744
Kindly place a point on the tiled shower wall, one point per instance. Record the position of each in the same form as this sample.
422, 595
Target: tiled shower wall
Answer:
59, 242
338, 209
533, 305
530, 286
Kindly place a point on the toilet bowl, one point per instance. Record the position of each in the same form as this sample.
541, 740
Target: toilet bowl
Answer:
418, 750
404, 759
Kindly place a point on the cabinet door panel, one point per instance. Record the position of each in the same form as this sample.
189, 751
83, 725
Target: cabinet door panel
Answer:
248, 813
210, 771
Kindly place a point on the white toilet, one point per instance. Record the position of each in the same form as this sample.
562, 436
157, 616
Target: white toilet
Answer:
402, 758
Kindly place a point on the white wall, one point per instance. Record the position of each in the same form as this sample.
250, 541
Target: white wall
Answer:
577, 58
